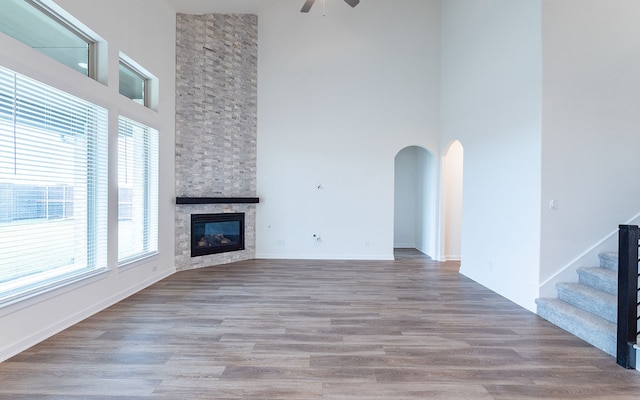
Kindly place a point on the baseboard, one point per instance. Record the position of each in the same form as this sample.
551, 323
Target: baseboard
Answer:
30, 341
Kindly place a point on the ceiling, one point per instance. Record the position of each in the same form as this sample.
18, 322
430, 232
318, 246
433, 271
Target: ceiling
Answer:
220, 6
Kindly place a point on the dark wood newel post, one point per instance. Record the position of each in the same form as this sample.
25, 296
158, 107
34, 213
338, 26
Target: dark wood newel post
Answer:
628, 237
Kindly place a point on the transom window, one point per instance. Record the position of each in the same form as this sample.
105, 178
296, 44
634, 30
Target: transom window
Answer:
132, 84
48, 32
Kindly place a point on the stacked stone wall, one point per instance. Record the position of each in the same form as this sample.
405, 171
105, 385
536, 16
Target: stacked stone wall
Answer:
216, 124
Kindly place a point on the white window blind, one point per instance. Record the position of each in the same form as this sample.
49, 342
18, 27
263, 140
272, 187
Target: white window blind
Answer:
137, 190
53, 187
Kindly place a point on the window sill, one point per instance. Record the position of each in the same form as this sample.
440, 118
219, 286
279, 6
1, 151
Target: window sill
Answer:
29, 299
134, 261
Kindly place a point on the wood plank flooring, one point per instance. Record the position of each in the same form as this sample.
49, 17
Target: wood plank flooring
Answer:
271, 329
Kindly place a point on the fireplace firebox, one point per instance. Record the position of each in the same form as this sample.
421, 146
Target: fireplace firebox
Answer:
216, 233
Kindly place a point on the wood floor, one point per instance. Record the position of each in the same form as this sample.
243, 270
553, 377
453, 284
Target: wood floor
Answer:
409, 329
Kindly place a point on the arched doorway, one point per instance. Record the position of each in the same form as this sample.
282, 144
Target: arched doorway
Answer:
415, 200
452, 184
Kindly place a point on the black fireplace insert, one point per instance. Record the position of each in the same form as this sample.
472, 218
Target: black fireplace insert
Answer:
216, 233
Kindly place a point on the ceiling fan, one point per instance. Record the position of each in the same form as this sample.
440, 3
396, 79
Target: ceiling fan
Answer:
308, 3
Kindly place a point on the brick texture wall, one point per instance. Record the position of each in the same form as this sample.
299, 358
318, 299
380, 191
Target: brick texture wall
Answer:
216, 123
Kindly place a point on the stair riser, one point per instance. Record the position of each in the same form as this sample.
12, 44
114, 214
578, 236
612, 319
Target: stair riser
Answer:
601, 283
605, 310
605, 341
598, 282
609, 261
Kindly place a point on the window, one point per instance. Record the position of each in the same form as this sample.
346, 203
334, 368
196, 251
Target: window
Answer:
137, 190
136, 83
48, 32
132, 83
53, 186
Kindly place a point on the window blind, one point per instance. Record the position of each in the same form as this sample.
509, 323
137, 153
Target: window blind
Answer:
53, 186
137, 190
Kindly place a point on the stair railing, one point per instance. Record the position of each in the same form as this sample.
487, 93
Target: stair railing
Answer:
628, 242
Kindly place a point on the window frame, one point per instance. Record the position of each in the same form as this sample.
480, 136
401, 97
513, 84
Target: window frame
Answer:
150, 156
92, 43
34, 113
135, 71
57, 17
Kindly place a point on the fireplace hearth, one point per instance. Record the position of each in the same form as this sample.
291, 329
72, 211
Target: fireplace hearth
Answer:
216, 233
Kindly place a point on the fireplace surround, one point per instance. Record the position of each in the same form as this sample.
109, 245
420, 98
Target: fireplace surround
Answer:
184, 260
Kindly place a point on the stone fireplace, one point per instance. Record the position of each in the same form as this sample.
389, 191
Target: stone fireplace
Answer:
216, 128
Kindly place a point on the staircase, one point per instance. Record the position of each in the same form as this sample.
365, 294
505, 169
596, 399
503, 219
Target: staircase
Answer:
588, 309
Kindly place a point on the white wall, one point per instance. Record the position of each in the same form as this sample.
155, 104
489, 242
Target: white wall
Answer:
590, 140
338, 97
146, 33
491, 84
452, 175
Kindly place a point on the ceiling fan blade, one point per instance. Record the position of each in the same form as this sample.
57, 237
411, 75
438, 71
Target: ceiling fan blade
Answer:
307, 6
352, 3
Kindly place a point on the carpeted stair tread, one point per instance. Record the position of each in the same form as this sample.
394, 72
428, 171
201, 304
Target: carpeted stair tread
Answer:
588, 327
595, 301
599, 278
588, 309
